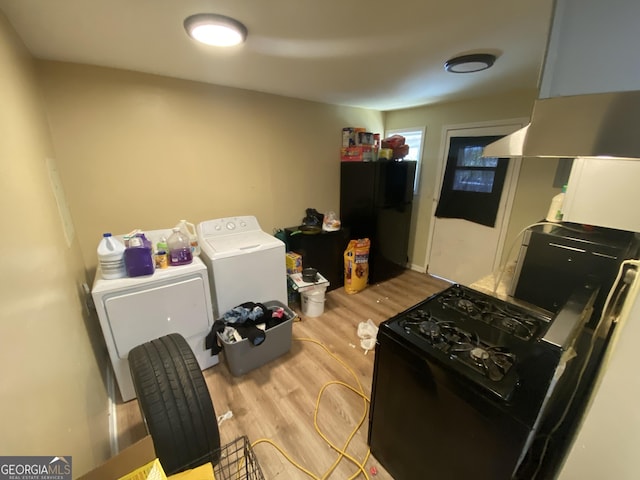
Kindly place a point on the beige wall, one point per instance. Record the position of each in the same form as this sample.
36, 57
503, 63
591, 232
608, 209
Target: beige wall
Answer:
532, 200
534, 191
52, 395
143, 151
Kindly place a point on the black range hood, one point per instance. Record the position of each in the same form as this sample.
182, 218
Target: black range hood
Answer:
592, 125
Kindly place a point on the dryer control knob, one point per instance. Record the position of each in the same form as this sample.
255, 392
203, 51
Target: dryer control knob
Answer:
231, 226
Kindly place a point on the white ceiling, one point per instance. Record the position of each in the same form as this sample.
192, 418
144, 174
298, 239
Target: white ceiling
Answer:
372, 54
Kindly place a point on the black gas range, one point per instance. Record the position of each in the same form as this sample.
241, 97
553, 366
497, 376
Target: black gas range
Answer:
462, 375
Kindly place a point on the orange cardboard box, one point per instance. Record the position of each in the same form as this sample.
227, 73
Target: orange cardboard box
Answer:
361, 153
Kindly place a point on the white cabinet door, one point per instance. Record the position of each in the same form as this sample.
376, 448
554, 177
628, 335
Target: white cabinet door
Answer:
604, 193
593, 48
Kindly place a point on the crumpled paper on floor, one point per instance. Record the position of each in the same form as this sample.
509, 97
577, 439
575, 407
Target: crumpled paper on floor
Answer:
367, 331
225, 416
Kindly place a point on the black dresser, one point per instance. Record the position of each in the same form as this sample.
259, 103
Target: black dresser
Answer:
323, 251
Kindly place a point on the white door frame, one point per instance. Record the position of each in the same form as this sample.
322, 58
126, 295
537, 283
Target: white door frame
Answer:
499, 127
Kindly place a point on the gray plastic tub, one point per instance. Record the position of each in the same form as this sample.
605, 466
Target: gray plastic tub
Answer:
242, 357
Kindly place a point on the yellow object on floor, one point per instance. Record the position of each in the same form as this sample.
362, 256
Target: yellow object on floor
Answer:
203, 472
154, 471
151, 471
356, 265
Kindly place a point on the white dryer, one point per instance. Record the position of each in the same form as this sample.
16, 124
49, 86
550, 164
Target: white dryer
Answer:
245, 263
135, 310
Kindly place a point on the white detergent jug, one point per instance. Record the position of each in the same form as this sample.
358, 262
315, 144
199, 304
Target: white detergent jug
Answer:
111, 257
555, 212
189, 230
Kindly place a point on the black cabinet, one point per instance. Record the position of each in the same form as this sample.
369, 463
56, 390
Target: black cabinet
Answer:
323, 251
376, 203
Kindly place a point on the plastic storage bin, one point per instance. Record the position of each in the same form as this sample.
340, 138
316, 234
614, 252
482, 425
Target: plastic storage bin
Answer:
242, 356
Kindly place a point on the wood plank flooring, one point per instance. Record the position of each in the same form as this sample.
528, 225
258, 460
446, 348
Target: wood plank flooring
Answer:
277, 401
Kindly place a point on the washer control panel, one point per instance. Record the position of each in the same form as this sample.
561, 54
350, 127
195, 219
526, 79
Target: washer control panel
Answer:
228, 226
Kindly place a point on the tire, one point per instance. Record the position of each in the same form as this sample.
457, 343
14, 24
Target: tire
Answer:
175, 403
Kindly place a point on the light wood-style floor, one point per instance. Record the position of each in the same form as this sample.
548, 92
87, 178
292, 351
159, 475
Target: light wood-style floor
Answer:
277, 401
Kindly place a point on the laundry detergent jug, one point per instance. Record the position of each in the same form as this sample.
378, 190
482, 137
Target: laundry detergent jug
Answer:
138, 257
179, 248
111, 257
189, 230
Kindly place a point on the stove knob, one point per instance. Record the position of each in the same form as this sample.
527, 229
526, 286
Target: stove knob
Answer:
231, 226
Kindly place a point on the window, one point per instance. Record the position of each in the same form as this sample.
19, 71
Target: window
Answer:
473, 173
472, 185
414, 138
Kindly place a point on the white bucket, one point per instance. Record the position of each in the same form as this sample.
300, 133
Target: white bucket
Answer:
313, 302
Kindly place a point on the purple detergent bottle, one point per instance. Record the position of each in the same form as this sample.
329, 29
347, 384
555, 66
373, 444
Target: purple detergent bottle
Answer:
179, 248
138, 259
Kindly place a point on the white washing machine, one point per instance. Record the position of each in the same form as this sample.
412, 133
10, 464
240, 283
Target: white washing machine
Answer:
135, 310
245, 263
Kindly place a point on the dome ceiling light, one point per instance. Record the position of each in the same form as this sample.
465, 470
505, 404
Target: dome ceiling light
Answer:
470, 63
216, 30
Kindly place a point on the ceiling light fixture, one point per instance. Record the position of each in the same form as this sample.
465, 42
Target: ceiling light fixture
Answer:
216, 30
470, 63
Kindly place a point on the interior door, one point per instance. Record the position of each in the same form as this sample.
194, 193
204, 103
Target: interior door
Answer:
466, 241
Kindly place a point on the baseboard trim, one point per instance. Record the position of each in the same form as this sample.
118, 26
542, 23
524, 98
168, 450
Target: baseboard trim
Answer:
113, 412
418, 268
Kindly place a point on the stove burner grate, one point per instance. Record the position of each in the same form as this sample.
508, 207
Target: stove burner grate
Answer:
497, 314
491, 361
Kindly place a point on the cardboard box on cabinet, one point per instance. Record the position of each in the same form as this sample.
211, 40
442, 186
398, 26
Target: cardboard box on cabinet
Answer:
361, 153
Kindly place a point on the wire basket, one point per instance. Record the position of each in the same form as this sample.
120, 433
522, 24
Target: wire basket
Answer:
238, 462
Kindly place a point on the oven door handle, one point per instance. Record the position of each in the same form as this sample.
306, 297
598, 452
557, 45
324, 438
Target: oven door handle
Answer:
573, 249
